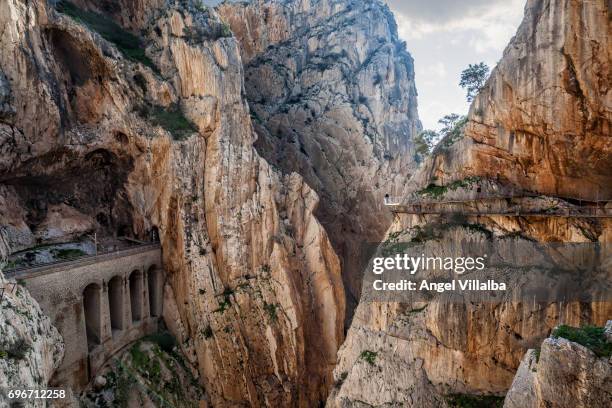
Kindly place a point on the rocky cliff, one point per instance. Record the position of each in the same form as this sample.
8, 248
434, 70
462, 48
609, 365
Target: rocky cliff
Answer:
150, 373
565, 373
30, 347
332, 95
132, 115
540, 125
542, 121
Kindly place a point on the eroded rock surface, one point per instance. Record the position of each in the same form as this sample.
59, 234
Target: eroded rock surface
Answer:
150, 373
541, 124
561, 374
30, 347
332, 94
542, 121
150, 134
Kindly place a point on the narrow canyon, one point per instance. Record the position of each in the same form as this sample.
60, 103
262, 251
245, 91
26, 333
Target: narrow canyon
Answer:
251, 147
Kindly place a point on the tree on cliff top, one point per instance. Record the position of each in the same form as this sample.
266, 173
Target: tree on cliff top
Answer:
424, 142
473, 79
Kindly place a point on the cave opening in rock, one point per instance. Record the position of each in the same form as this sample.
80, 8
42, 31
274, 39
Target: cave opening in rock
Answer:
71, 195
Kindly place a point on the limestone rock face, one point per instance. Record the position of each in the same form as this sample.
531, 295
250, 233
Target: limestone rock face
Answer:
332, 95
158, 140
30, 347
564, 374
143, 376
542, 122
63, 223
461, 347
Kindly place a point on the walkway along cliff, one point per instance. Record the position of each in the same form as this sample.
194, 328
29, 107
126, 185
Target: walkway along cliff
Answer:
533, 166
136, 123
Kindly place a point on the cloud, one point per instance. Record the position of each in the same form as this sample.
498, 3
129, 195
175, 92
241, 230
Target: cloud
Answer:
441, 11
486, 24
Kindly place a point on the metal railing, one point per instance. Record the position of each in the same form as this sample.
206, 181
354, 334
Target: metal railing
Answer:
593, 212
479, 197
99, 257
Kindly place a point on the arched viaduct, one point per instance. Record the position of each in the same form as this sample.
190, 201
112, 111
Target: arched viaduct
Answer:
100, 304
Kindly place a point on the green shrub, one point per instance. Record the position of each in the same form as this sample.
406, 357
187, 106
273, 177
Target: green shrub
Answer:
226, 31
164, 340
426, 233
67, 253
271, 310
200, 6
435, 191
452, 133
171, 119
126, 42
226, 302
368, 356
15, 351
590, 337
139, 358
475, 401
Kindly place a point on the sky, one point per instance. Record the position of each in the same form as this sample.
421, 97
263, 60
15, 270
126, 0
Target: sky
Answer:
444, 37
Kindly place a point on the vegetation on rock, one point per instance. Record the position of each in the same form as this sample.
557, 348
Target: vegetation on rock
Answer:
473, 79
170, 118
590, 337
129, 44
475, 401
368, 356
435, 191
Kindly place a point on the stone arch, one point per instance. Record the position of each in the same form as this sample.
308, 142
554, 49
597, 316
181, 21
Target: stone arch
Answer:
136, 293
154, 281
92, 312
115, 302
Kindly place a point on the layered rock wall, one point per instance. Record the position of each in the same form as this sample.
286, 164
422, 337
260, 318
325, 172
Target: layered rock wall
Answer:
332, 94
255, 280
542, 121
562, 373
30, 347
541, 124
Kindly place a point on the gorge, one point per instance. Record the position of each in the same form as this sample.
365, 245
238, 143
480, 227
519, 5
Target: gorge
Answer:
256, 141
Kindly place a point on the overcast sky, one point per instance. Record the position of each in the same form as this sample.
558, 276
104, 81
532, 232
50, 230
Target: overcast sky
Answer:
444, 36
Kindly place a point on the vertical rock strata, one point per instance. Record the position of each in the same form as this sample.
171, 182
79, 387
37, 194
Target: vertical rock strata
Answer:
562, 373
30, 347
541, 124
255, 295
332, 96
